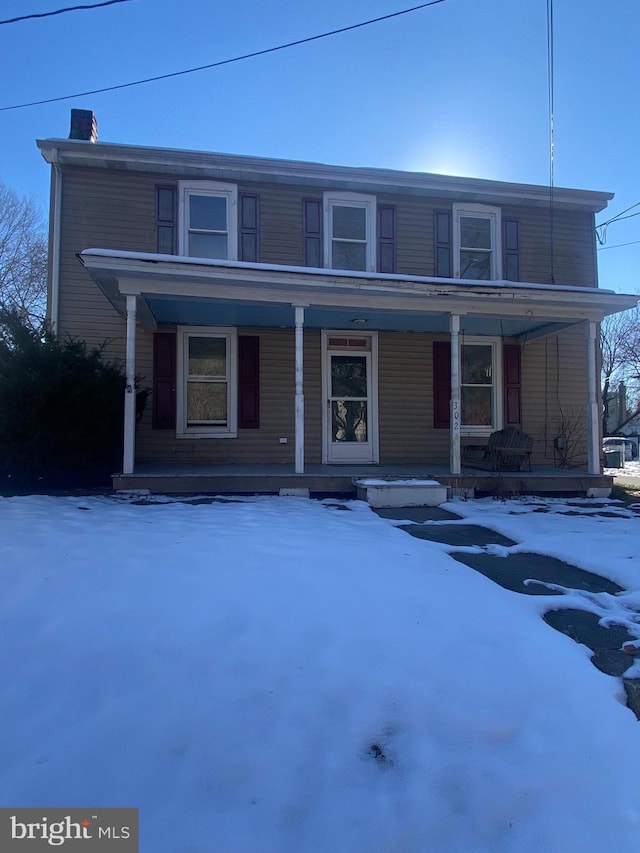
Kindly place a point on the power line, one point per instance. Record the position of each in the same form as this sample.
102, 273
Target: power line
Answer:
224, 61
618, 245
62, 11
619, 215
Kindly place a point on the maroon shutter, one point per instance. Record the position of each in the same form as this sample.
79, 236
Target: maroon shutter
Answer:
511, 249
511, 371
248, 381
386, 238
312, 221
166, 231
164, 380
441, 384
249, 207
442, 243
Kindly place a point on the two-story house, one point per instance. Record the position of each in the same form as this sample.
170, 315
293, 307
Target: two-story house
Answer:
294, 317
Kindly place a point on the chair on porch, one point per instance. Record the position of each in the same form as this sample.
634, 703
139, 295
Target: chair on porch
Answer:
507, 450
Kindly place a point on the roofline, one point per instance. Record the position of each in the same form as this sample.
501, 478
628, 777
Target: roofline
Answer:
117, 155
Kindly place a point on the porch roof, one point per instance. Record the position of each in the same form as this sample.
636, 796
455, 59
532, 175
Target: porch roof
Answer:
179, 290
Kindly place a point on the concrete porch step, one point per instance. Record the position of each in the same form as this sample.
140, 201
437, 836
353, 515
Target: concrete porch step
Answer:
400, 492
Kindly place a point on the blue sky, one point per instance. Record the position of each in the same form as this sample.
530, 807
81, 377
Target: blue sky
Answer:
457, 88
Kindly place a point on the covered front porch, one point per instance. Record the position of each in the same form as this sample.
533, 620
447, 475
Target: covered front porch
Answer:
383, 411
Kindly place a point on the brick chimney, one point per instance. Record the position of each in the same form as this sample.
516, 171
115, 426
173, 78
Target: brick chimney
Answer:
83, 125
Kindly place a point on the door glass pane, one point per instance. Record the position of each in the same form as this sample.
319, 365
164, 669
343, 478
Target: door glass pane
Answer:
208, 246
207, 402
475, 264
348, 256
475, 233
348, 420
208, 212
208, 357
350, 223
476, 406
476, 364
348, 376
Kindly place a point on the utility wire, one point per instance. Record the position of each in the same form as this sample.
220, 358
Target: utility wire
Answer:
619, 215
618, 245
62, 11
225, 61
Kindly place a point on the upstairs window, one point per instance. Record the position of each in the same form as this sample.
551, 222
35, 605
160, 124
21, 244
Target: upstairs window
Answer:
208, 220
350, 240
476, 242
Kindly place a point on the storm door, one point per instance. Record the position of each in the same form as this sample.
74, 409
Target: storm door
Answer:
350, 402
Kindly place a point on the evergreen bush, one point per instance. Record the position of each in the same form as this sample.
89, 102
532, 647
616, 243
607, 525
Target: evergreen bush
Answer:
61, 410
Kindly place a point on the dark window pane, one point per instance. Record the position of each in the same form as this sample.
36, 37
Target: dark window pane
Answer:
350, 223
208, 246
475, 233
476, 364
348, 376
476, 406
207, 402
475, 264
208, 212
349, 256
208, 357
348, 420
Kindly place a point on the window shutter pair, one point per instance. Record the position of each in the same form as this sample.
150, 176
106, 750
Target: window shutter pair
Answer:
164, 381
442, 384
443, 246
167, 223
312, 235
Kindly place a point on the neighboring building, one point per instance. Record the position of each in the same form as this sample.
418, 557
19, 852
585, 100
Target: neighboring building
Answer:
297, 314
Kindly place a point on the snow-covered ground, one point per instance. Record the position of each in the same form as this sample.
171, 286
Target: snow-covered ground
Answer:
284, 676
630, 470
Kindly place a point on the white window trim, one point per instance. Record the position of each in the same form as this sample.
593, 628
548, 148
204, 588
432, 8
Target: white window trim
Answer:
481, 211
497, 400
338, 199
183, 430
212, 188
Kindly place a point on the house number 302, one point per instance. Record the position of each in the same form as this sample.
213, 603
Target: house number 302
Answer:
456, 414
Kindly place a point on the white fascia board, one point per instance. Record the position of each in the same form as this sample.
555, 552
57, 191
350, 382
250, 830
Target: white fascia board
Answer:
168, 274
217, 264
237, 167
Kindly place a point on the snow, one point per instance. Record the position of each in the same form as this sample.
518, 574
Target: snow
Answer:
268, 675
323, 271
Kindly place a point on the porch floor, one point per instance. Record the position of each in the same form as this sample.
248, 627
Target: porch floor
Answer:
338, 479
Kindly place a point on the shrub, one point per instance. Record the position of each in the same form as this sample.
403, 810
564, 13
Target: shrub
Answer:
61, 410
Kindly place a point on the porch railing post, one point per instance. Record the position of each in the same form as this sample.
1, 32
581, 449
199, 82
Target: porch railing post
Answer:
455, 395
299, 405
593, 417
130, 390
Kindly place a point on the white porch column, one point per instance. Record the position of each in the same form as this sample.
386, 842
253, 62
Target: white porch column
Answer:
299, 390
455, 395
130, 390
593, 415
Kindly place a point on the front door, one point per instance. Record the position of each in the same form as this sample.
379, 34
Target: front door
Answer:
350, 411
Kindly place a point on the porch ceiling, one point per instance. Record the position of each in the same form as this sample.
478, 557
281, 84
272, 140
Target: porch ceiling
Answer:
187, 291
215, 312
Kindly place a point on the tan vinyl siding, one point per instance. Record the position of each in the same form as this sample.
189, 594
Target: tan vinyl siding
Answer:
405, 400
554, 392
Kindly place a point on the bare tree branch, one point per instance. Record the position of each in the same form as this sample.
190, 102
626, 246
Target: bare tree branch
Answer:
23, 257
